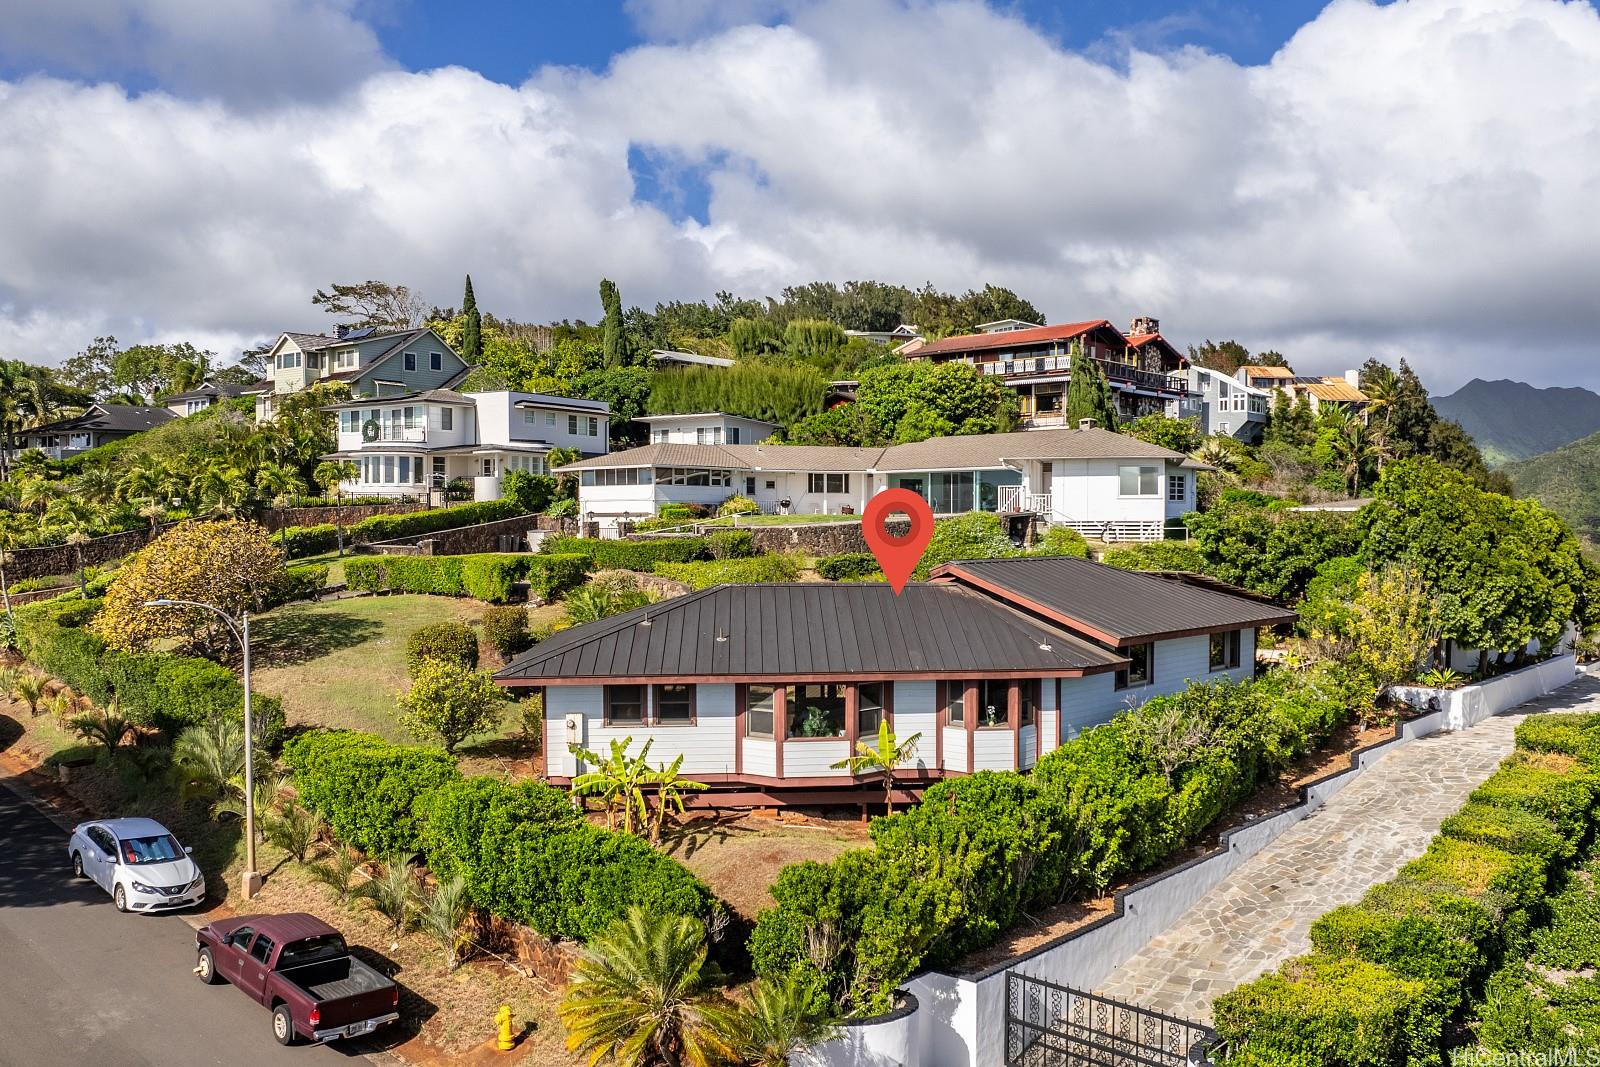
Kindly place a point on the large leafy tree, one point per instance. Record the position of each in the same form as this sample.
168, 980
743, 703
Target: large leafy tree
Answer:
1227, 357
905, 401
644, 995
449, 702
1267, 549
375, 304
230, 564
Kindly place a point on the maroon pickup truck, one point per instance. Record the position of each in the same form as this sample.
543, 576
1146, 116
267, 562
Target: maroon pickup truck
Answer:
298, 966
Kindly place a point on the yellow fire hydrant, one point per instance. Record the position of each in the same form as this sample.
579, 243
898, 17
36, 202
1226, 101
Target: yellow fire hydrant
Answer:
502, 1020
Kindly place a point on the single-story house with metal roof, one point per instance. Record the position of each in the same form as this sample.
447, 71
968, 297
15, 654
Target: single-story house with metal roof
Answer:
101, 423
1103, 484
764, 688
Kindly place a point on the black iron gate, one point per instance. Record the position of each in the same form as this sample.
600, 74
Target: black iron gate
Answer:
1049, 1025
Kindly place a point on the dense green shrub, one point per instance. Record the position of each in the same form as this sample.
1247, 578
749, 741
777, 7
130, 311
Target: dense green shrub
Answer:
642, 555
1508, 829
410, 524
1548, 784
299, 541
448, 642
738, 505
366, 787
490, 578
732, 544
1332, 1012
505, 629
1062, 541
975, 535
703, 575
527, 856
1574, 733
849, 567
551, 575
303, 582
1156, 556
1476, 869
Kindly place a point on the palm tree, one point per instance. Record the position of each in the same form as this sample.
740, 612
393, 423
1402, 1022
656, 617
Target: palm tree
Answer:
152, 512
331, 475
889, 754
77, 519
34, 492
643, 995
221, 488
10, 538
279, 483
141, 481
616, 778
392, 894
782, 1020
443, 913
670, 788
108, 729
29, 689
209, 762
95, 484
1352, 448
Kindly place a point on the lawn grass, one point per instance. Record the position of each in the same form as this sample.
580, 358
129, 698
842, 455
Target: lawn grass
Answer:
342, 663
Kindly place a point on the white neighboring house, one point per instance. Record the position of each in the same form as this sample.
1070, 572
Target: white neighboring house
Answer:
1100, 483
707, 428
407, 446
994, 663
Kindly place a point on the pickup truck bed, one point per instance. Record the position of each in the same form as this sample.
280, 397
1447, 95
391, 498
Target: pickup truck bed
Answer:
336, 979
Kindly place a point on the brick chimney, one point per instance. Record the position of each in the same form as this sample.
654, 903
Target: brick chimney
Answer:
1143, 324
1088, 424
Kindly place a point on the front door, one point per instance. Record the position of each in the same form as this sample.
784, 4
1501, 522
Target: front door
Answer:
102, 858
234, 954
255, 967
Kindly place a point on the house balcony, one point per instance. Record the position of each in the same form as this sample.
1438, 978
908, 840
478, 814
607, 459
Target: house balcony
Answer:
1119, 374
1014, 499
416, 435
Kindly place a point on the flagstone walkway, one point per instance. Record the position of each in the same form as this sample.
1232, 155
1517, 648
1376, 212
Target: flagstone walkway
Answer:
1262, 914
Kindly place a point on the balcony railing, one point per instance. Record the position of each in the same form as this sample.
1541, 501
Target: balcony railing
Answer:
1014, 499
1118, 373
414, 435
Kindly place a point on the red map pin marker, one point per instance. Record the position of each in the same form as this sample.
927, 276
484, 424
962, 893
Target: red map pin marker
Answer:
897, 556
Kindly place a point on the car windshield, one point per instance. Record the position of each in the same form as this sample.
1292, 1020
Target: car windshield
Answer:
162, 848
311, 950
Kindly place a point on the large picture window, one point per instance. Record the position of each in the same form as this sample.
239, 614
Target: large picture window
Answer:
828, 483
871, 707
674, 705
1141, 668
817, 710
1225, 650
624, 705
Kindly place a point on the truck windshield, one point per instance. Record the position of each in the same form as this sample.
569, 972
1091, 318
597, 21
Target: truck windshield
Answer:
163, 848
311, 950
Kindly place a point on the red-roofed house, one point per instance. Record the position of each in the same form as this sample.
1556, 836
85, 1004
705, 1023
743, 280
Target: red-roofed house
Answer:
1036, 361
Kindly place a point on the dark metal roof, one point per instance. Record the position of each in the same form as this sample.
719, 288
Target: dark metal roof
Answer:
110, 418
1112, 604
780, 631
207, 389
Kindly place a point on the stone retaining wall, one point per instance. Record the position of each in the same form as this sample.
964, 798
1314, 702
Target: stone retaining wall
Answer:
484, 537
277, 518
62, 559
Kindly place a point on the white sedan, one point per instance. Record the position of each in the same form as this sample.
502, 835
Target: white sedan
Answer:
138, 862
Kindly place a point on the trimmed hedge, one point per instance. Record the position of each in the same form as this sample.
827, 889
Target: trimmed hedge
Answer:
642, 555
954, 872
449, 642
298, 541
366, 787
1446, 920
849, 567
303, 582
486, 576
732, 544
703, 575
528, 856
505, 629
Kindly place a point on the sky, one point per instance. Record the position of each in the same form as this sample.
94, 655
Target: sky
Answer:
1412, 179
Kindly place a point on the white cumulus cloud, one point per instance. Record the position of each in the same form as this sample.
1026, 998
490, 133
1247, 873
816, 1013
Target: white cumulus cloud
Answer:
1414, 179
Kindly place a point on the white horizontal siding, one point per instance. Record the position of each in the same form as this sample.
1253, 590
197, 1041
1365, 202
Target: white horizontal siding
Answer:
955, 749
815, 758
707, 747
915, 712
559, 702
1093, 700
760, 756
994, 750
1026, 746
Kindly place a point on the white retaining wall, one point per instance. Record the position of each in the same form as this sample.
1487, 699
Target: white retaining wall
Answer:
961, 1021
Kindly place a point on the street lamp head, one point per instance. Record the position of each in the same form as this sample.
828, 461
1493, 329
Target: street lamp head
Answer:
162, 603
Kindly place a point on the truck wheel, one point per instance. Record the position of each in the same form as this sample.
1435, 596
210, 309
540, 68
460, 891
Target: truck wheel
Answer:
283, 1025
119, 897
206, 968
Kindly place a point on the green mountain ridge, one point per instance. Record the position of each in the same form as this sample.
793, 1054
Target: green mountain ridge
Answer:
1567, 481
1512, 421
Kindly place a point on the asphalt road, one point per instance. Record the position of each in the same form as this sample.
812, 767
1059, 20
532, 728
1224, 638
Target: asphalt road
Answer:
82, 984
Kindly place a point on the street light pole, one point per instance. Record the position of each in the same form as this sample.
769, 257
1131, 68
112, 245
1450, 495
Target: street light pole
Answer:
251, 881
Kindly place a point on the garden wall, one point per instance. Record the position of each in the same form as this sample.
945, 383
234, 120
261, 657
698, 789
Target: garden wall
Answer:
277, 518
465, 540
61, 559
961, 1019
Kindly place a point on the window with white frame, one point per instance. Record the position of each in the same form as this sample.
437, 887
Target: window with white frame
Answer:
594, 426
529, 416
1225, 650
572, 425
831, 482
349, 421
1139, 481
708, 435
1141, 666
1177, 486
623, 476
549, 418
531, 464
733, 435
695, 476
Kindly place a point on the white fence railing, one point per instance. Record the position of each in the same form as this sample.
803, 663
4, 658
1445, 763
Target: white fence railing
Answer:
1116, 529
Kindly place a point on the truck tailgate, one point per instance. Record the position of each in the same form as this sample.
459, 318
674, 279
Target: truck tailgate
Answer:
355, 996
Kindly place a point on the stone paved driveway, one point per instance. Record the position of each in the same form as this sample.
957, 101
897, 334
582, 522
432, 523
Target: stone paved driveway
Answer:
1262, 914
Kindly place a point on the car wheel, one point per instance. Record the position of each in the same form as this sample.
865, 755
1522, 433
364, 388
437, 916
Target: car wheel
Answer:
206, 968
77, 865
119, 897
283, 1025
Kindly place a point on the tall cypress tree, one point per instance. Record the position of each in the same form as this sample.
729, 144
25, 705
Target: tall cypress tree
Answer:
611, 301
472, 330
1088, 392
